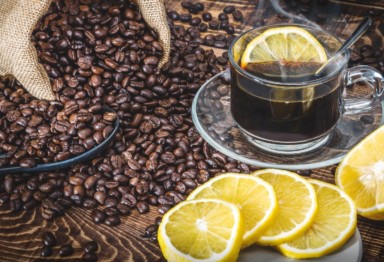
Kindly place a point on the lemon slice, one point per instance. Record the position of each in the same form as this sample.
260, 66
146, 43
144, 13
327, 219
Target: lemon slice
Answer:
296, 203
201, 230
253, 196
361, 175
284, 44
334, 223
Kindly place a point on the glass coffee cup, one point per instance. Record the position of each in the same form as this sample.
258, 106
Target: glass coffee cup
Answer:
294, 115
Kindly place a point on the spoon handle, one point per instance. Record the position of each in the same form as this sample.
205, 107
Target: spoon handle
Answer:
359, 31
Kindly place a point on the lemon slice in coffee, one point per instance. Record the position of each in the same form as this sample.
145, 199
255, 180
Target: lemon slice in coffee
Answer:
289, 51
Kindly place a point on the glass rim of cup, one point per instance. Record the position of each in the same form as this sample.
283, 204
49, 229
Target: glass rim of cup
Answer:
294, 85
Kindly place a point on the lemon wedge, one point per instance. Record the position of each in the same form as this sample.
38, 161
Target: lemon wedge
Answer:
361, 175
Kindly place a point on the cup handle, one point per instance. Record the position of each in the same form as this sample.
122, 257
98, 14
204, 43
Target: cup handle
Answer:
374, 80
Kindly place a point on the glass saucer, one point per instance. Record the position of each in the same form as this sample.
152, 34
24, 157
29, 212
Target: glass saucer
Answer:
213, 120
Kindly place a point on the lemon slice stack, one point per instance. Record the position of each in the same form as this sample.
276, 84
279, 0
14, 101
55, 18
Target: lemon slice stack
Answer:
301, 218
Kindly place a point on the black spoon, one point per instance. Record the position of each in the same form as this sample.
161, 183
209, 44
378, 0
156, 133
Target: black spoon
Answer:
68, 162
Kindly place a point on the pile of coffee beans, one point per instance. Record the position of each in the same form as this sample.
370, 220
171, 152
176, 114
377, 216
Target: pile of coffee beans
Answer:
101, 54
204, 21
33, 131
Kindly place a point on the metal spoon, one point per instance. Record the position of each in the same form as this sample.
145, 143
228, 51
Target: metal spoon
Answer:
68, 162
359, 31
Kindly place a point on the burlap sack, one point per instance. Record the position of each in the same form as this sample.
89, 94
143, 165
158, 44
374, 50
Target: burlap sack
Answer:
155, 15
18, 56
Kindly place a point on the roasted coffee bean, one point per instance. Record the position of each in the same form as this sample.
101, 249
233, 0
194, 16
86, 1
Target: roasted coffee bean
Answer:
367, 119
223, 17
195, 21
98, 216
199, 7
220, 44
304, 172
15, 205
203, 27
91, 246
111, 211
150, 230
207, 16
123, 209
89, 257
89, 203
142, 207
186, 5
162, 209
49, 239
173, 15
111, 202
185, 18
112, 220
46, 187
213, 25
8, 183
100, 197
230, 29
29, 205
46, 251
229, 9
238, 15
66, 250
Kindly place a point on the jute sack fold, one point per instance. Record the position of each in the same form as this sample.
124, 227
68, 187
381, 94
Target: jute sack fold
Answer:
18, 56
154, 14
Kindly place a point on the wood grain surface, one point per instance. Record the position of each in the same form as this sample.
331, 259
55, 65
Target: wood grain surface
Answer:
20, 234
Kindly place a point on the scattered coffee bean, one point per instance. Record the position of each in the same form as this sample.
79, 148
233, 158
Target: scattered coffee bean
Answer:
46, 251
195, 21
89, 257
223, 17
98, 216
199, 7
66, 250
207, 16
185, 17
91, 247
367, 119
237, 15
49, 239
229, 9
112, 220
214, 25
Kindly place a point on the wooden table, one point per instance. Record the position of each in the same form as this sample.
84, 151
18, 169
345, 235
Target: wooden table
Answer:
20, 234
